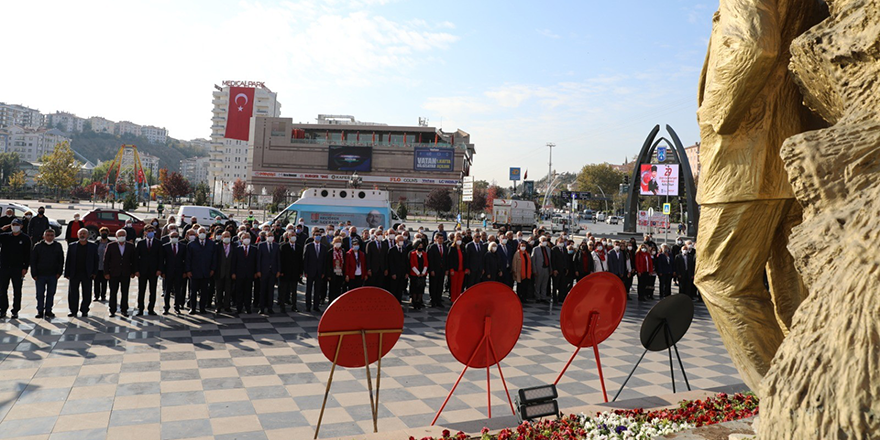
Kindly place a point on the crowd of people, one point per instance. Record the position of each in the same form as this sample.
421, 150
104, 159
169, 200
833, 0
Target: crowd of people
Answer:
229, 268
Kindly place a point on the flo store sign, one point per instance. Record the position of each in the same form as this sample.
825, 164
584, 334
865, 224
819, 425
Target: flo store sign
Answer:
346, 177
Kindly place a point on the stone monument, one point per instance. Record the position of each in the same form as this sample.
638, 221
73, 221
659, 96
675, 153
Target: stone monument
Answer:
825, 380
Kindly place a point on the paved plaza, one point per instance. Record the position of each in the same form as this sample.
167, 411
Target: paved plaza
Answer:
257, 377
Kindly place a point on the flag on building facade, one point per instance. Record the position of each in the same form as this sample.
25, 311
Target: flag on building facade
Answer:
241, 109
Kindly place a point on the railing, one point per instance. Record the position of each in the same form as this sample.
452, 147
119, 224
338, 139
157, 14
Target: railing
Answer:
369, 143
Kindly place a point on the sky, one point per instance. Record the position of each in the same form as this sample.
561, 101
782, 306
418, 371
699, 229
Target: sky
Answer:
592, 77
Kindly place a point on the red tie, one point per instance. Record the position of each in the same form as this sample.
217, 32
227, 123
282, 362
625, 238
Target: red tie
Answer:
245, 251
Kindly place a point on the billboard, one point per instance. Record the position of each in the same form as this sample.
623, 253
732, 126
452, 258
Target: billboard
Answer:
364, 218
647, 223
658, 180
433, 159
514, 173
350, 158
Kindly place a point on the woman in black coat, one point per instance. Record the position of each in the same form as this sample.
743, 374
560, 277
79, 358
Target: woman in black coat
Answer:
491, 264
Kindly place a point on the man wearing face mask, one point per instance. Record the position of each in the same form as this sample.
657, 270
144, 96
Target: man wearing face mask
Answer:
80, 269
377, 261
70, 236
291, 271
684, 270
199, 269
47, 265
437, 254
313, 267
664, 266
560, 260
244, 271
223, 282
543, 268
15, 258
390, 243
398, 267
475, 252
268, 270
149, 268
173, 265
120, 264
192, 223
7, 219
37, 225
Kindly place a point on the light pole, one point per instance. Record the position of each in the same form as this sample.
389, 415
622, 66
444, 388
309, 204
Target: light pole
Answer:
603, 196
459, 188
250, 193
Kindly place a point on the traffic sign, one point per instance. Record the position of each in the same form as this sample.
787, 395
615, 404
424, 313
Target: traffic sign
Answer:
467, 194
667, 208
661, 153
514, 173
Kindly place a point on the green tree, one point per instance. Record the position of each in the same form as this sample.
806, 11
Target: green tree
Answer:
17, 181
401, 210
8, 166
130, 202
201, 194
595, 176
439, 200
99, 173
59, 168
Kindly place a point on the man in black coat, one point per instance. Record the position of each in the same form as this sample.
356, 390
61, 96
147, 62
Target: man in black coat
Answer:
398, 267
7, 219
473, 259
174, 272
684, 272
15, 259
313, 266
149, 267
80, 269
268, 270
377, 261
38, 224
244, 270
437, 269
120, 264
223, 283
291, 271
47, 265
560, 261
200, 268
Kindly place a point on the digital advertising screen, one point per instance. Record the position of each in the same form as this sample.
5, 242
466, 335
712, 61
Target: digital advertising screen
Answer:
433, 159
343, 158
658, 180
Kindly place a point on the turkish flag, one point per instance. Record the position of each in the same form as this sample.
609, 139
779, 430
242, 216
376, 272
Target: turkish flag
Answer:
241, 108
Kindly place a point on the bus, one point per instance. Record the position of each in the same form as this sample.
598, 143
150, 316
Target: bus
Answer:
320, 207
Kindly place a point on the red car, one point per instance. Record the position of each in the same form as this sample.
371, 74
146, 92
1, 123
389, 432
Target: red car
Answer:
112, 219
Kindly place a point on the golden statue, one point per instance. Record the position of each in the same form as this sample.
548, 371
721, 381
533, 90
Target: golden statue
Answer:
748, 105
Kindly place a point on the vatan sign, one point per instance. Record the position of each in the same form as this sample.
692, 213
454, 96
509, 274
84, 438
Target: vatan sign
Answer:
648, 221
433, 159
658, 180
514, 173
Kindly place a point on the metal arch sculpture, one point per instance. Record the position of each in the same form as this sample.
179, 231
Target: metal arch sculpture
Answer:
632, 199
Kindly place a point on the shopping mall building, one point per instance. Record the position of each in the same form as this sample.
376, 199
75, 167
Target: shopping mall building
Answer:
406, 161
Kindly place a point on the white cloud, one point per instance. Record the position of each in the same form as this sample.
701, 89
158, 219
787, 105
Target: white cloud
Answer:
547, 33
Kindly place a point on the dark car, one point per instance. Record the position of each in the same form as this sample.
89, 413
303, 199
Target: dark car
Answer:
112, 219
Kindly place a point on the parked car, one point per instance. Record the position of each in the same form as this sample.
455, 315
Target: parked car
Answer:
112, 219
204, 215
612, 220
20, 210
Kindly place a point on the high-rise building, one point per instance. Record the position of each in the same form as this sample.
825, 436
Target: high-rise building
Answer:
32, 144
125, 127
153, 134
195, 169
102, 125
693, 155
66, 122
229, 156
14, 114
151, 163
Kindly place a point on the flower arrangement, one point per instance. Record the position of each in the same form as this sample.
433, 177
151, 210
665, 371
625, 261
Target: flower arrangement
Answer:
634, 424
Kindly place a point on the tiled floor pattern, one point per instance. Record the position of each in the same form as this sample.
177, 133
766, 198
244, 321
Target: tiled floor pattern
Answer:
257, 377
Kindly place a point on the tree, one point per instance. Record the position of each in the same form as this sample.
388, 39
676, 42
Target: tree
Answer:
59, 168
201, 194
98, 190
439, 200
595, 176
8, 166
492, 193
17, 181
238, 190
80, 192
401, 210
279, 195
176, 186
130, 202
99, 173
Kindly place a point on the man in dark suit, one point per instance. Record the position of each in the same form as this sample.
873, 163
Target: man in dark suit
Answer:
377, 261
291, 271
506, 249
268, 270
244, 270
561, 261
173, 271
616, 262
223, 284
120, 263
149, 266
437, 269
473, 259
80, 270
199, 269
15, 259
684, 272
313, 267
398, 267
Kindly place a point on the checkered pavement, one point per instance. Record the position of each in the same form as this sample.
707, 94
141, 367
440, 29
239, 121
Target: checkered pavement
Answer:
257, 377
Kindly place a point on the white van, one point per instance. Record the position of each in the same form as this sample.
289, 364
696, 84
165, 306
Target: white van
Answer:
204, 215
324, 206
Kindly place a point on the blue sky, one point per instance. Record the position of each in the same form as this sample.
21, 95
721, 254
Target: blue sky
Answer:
592, 77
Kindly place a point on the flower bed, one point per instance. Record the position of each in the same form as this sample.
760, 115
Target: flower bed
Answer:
633, 424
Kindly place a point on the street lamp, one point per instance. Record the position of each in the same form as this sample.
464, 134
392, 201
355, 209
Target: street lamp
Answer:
250, 193
459, 186
355, 181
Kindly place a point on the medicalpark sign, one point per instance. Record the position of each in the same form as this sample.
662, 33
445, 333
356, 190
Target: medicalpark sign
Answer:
259, 84
346, 177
